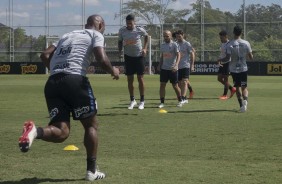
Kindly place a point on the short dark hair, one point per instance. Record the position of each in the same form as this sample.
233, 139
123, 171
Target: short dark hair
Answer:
174, 34
130, 17
180, 32
237, 31
222, 33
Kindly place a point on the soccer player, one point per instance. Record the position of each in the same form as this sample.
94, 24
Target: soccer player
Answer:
223, 72
134, 57
68, 90
187, 58
240, 51
168, 66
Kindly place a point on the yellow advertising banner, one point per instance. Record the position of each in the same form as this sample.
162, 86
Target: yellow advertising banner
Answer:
274, 69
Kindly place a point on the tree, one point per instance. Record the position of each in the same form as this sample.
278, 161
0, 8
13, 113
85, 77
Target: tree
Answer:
263, 28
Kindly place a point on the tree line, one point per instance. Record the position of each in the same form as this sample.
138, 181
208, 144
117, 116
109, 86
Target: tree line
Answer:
263, 29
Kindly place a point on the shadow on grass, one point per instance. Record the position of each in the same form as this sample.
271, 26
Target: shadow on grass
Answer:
40, 180
116, 114
193, 111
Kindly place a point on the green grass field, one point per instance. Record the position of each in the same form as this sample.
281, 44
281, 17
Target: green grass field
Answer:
206, 141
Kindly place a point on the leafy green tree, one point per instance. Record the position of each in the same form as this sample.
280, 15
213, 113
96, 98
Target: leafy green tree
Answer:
263, 29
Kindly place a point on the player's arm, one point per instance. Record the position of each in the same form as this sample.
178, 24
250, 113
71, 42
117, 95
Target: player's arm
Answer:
46, 55
224, 60
250, 56
175, 68
120, 45
144, 51
160, 63
104, 62
192, 59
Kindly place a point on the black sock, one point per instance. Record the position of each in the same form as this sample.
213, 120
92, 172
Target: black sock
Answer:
141, 98
240, 102
190, 88
40, 133
91, 164
179, 98
225, 91
245, 98
162, 100
132, 98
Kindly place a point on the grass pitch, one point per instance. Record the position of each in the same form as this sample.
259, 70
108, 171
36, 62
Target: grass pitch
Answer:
205, 141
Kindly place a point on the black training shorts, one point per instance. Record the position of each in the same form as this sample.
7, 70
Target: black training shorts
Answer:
224, 69
67, 93
183, 73
134, 65
240, 79
166, 75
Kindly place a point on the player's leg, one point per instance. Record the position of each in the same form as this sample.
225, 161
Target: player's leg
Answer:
184, 88
245, 92
163, 80
130, 86
174, 82
221, 77
140, 69
237, 83
129, 72
58, 129
90, 125
191, 91
182, 78
186, 77
84, 108
227, 86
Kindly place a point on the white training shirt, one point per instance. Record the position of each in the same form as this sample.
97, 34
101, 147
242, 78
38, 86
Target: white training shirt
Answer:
74, 52
132, 40
239, 49
223, 50
185, 50
169, 52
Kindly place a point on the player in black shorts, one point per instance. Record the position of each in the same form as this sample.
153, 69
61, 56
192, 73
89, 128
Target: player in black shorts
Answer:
223, 72
134, 53
68, 91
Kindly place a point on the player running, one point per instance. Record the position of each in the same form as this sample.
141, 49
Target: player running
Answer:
240, 51
223, 72
68, 90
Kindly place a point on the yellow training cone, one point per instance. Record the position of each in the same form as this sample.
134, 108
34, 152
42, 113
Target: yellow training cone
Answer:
71, 148
162, 111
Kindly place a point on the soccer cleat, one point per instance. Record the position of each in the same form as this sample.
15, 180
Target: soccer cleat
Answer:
141, 105
161, 105
245, 103
185, 101
223, 97
180, 104
232, 92
28, 135
90, 176
191, 94
132, 104
243, 109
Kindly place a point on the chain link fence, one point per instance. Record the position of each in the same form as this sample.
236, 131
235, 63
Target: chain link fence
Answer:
22, 39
